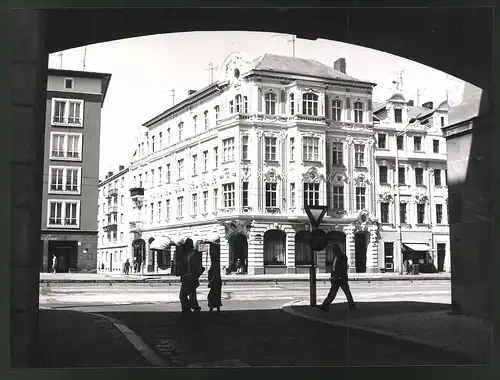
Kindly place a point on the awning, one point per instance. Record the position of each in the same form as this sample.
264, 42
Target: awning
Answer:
211, 237
161, 243
177, 239
417, 247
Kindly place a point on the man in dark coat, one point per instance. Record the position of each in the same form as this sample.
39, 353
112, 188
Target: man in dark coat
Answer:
190, 275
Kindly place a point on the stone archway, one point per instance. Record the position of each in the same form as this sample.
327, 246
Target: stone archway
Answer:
361, 240
238, 249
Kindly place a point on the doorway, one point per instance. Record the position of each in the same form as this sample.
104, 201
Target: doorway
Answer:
441, 253
389, 256
360, 247
66, 253
238, 249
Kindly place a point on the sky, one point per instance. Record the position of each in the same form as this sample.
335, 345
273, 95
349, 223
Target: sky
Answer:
146, 69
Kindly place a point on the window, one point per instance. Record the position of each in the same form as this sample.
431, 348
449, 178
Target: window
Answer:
231, 107
180, 169
270, 98
435, 146
274, 247
336, 110
121, 237
245, 104
114, 240
159, 175
292, 104
152, 212
180, 207
195, 162
216, 157
160, 140
66, 146
270, 148
159, 211
180, 129
122, 182
228, 193
382, 141
216, 199
65, 179
292, 194
420, 213
146, 179
167, 209
419, 176
271, 192
402, 213
382, 171
360, 198
437, 177
217, 115
205, 202
398, 115
442, 121
292, 148
417, 143
168, 136
310, 104
338, 197
194, 204
384, 212
358, 112
206, 120
63, 213
121, 200
121, 218
400, 142
359, 155
152, 177
338, 153
439, 214
228, 149
205, 160
168, 173
68, 83
244, 194
140, 180
310, 147
401, 175
152, 144
195, 127
238, 104
244, 148
311, 194
67, 112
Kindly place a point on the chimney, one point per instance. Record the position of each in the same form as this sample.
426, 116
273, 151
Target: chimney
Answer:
110, 174
340, 65
428, 105
121, 167
191, 92
410, 103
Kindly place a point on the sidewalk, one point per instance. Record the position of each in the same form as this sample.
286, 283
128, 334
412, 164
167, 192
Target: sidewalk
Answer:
75, 339
427, 324
151, 277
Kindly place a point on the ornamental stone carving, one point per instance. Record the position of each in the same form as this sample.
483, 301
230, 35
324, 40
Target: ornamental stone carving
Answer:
235, 227
386, 197
245, 173
226, 174
272, 176
362, 180
420, 165
349, 140
421, 198
259, 132
383, 163
338, 178
313, 176
283, 134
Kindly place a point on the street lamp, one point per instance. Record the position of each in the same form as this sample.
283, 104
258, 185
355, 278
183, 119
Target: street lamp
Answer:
399, 248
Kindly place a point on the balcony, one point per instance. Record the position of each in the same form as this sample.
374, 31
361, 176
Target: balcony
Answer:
111, 227
112, 210
313, 118
112, 193
136, 192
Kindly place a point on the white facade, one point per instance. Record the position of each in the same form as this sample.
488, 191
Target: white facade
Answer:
423, 189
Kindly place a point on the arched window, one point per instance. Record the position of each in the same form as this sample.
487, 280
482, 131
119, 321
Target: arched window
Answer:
180, 128
358, 112
292, 104
195, 127
274, 247
270, 98
303, 254
231, 107
310, 104
334, 238
205, 115
239, 103
217, 114
336, 110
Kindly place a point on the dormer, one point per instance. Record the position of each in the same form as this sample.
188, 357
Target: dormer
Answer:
397, 108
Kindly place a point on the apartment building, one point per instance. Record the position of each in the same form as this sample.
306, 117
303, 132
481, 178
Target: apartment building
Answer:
71, 166
420, 180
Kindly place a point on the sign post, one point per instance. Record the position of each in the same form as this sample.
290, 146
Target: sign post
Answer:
317, 241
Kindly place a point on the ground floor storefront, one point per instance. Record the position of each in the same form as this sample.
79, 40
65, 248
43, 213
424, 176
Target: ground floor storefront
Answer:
74, 251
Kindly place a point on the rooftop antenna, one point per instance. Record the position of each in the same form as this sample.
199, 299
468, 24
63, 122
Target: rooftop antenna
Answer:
399, 82
84, 57
418, 96
172, 91
60, 54
211, 68
292, 41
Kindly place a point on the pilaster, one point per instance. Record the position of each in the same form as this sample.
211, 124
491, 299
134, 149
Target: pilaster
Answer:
372, 251
350, 247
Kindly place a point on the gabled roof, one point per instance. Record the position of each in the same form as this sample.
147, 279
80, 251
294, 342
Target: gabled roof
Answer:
301, 66
378, 106
421, 112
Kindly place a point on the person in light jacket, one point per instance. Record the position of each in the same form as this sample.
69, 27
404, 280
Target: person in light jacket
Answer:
339, 279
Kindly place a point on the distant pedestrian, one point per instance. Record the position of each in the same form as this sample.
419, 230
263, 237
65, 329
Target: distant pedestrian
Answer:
215, 285
127, 266
54, 264
239, 266
339, 279
410, 265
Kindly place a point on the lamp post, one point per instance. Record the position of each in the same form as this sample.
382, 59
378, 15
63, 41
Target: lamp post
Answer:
399, 248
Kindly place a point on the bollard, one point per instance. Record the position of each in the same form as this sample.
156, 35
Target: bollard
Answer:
312, 284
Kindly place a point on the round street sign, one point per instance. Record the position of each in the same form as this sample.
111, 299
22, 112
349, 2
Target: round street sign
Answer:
318, 239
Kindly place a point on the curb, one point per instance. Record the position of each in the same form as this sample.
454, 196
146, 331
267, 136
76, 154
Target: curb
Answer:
288, 308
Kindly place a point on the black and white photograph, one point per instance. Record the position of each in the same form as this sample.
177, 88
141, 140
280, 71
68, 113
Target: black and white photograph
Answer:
261, 187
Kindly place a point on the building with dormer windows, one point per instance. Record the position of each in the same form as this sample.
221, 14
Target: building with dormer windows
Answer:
421, 178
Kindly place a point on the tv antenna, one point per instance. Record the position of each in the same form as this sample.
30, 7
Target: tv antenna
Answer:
60, 54
292, 41
399, 82
172, 92
84, 57
418, 94
211, 68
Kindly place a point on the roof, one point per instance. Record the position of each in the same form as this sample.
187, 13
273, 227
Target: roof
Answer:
421, 112
301, 66
105, 78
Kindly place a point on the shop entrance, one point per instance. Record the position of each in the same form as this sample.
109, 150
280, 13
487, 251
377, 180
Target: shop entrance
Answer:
66, 253
238, 249
360, 247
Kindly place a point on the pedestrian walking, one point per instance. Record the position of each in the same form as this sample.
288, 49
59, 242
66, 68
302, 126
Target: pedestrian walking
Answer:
239, 266
410, 265
339, 279
190, 275
215, 285
54, 264
127, 266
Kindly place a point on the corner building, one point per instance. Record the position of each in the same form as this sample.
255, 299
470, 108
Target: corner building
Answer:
238, 159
